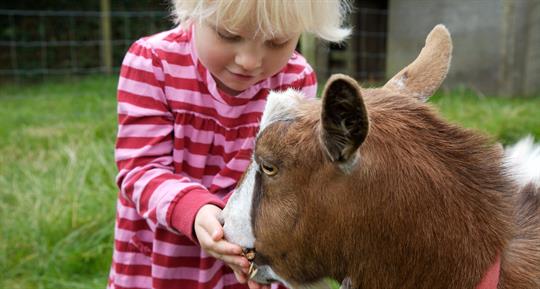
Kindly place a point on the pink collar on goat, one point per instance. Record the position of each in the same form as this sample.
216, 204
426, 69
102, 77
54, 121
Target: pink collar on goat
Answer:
491, 279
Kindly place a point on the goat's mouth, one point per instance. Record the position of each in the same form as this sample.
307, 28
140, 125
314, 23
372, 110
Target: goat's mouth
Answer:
250, 254
259, 271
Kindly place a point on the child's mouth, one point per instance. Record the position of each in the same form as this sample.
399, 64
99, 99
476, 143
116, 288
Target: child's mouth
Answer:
242, 76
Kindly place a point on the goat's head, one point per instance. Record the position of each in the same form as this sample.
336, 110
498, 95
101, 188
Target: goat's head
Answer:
305, 154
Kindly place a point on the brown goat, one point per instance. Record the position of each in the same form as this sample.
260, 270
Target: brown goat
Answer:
373, 187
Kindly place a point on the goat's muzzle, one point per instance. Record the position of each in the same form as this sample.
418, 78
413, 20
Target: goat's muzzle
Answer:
250, 253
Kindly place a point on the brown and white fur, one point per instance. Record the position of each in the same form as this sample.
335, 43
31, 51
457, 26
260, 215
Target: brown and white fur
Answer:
373, 187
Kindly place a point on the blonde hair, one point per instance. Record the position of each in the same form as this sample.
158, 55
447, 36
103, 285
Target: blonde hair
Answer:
322, 18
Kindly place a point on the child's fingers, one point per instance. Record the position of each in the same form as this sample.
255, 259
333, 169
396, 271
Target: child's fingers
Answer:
225, 248
214, 228
254, 285
220, 247
241, 277
240, 270
205, 240
239, 262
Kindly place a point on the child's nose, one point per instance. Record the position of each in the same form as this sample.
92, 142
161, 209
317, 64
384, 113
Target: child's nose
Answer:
249, 59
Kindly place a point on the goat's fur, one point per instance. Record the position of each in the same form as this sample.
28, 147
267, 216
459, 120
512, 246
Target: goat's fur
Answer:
375, 188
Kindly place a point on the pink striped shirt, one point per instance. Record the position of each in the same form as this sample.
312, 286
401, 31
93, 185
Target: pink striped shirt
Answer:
181, 144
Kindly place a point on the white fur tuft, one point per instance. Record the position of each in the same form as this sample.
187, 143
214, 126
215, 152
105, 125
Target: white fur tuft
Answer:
524, 161
280, 106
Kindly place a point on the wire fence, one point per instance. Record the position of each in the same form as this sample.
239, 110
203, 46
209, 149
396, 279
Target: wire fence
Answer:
40, 43
363, 55
47, 43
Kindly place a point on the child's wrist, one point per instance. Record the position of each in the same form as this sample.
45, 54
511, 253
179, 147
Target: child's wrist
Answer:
186, 207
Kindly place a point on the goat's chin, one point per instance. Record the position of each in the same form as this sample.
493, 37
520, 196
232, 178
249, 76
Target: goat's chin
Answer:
265, 275
321, 284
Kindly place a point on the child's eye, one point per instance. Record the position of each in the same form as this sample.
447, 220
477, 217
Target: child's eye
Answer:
228, 36
277, 43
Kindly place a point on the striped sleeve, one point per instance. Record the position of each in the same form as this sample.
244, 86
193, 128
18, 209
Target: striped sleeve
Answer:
144, 147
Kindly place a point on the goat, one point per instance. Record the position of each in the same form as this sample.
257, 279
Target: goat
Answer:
373, 188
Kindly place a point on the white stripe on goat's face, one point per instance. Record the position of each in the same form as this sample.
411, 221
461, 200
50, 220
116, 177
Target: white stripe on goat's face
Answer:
237, 214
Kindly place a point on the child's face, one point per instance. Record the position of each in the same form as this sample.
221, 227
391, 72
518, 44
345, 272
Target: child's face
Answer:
240, 59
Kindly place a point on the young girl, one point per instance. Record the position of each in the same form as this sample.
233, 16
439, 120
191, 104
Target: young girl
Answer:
189, 104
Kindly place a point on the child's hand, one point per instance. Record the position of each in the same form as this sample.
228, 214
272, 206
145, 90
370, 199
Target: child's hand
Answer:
209, 232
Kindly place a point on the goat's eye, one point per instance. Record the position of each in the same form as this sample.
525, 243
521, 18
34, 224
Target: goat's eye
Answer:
269, 169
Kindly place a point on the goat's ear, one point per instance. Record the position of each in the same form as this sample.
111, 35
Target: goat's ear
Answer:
425, 74
344, 119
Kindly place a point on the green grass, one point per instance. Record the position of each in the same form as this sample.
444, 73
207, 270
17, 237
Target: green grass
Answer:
506, 119
57, 191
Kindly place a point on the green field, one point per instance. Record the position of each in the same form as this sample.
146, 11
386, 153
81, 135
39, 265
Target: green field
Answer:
57, 191
57, 188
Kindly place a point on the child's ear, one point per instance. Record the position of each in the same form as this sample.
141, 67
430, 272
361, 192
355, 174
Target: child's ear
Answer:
425, 74
344, 119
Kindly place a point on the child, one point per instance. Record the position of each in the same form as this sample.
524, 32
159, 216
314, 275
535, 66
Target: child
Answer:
189, 104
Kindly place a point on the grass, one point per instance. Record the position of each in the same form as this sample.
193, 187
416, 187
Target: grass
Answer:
57, 191
506, 119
